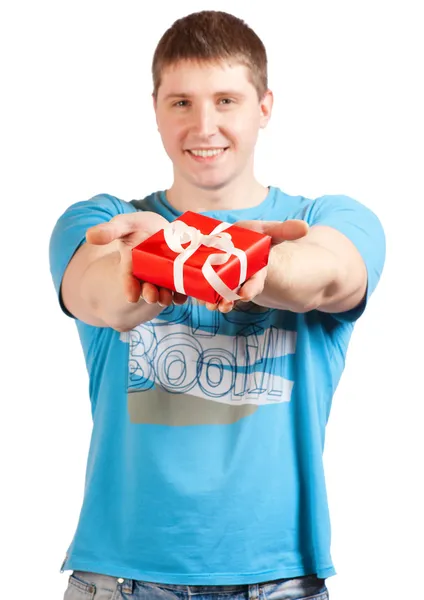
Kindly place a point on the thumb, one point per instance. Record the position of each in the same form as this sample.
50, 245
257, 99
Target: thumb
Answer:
122, 226
279, 231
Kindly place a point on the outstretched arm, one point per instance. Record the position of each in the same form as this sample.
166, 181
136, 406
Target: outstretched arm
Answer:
98, 286
309, 268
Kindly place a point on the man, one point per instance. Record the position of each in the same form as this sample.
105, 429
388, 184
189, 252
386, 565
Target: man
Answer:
205, 470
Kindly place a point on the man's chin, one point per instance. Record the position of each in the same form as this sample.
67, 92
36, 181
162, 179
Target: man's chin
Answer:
214, 184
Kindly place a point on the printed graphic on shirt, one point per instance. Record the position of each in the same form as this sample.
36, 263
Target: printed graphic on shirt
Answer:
192, 366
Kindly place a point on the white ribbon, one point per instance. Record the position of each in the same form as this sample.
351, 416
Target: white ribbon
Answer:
178, 233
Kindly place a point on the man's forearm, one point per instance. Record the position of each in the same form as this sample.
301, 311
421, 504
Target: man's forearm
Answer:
300, 275
102, 289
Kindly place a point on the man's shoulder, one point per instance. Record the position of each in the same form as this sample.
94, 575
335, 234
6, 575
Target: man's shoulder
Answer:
312, 208
99, 203
284, 205
151, 202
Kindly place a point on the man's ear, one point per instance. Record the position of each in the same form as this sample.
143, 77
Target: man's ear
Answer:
265, 106
155, 106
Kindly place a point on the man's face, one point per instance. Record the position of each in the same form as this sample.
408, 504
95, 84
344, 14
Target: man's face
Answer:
209, 117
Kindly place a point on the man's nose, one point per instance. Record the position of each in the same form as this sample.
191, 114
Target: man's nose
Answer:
205, 120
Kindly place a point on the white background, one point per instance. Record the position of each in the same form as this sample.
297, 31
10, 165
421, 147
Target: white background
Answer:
77, 120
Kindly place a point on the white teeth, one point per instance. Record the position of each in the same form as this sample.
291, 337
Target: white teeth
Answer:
205, 153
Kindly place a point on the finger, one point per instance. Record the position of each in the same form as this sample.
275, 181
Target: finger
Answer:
291, 230
123, 225
280, 231
117, 227
132, 288
165, 297
179, 298
253, 286
225, 306
149, 293
211, 306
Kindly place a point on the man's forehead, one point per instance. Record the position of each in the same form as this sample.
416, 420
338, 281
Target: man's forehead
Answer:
182, 79
217, 64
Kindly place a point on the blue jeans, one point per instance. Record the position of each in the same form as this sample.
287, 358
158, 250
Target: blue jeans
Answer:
92, 586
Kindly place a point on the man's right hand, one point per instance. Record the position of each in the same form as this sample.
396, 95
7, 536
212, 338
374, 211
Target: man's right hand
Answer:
98, 286
127, 231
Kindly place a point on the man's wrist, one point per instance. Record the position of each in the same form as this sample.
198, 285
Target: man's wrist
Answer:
298, 277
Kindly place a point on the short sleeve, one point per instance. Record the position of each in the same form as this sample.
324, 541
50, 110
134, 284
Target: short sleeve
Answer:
362, 226
70, 229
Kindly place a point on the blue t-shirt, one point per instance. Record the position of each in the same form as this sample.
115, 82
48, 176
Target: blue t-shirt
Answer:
206, 458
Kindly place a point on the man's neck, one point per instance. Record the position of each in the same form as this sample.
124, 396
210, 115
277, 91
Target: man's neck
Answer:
236, 195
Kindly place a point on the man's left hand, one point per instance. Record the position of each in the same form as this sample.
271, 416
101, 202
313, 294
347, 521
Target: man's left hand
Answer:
280, 231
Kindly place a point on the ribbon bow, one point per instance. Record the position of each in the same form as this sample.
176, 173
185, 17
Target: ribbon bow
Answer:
178, 233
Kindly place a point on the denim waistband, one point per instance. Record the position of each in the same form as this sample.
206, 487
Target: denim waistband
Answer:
305, 583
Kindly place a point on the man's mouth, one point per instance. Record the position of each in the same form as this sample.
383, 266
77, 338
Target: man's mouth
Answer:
206, 154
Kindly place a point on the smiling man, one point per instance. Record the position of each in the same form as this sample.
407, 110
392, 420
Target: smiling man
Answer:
209, 116
205, 473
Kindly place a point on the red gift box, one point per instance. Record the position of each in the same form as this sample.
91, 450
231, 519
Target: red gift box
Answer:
246, 252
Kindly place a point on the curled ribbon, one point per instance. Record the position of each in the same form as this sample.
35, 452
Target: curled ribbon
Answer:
178, 233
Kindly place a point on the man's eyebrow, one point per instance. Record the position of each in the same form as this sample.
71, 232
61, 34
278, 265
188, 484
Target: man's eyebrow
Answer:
176, 95
224, 93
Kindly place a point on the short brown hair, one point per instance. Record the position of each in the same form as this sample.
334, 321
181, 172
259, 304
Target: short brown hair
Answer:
212, 36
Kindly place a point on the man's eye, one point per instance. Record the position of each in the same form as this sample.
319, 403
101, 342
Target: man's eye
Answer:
226, 100
181, 103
